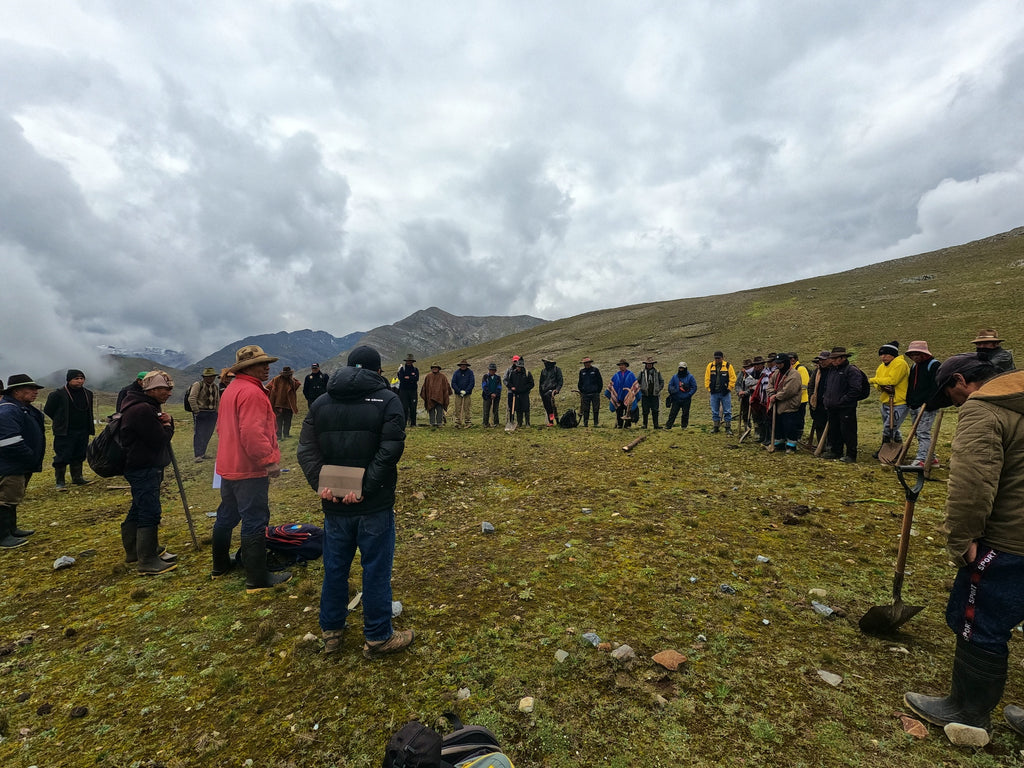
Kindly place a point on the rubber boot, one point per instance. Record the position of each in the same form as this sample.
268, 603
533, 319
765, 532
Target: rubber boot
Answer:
128, 539
221, 546
728, 427
254, 559
714, 427
76, 474
146, 545
7, 541
17, 532
654, 415
58, 474
978, 680
1014, 717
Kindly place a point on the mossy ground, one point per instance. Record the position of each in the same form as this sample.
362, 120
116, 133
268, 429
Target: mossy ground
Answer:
179, 670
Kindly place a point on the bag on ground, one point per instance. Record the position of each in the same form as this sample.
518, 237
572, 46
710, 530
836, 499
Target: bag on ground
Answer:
468, 746
106, 454
413, 746
569, 419
293, 544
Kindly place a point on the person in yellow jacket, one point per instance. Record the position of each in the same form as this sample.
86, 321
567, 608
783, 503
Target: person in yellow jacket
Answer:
891, 379
805, 379
720, 380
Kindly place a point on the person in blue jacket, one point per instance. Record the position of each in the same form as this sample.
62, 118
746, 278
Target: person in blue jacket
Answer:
22, 445
680, 391
623, 391
463, 382
490, 387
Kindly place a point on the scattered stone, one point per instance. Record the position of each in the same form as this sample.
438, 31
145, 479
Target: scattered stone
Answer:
966, 735
87, 553
817, 592
396, 609
914, 727
592, 638
660, 700
44, 709
79, 712
561, 656
821, 609
702, 638
211, 514
309, 637
623, 653
23, 696
586, 510
463, 694
898, 649
832, 679
725, 589
486, 527
669, 659
63, 562
7, 650
604, 646
765, 622
693, 579
762, 559
355, 600
526, 704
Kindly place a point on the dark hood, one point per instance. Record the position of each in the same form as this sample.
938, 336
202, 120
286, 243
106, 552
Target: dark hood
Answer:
350, 383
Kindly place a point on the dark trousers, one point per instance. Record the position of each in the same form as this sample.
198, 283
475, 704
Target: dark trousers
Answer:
70, 448
801, 420
986, 601
284, 422
819, 418
548, 399
491, 407
145, 510
409, 402
590, 403
247, 501
842, 431
682, 408
744, 409
205, 424
786, 427
623, 417
650, 404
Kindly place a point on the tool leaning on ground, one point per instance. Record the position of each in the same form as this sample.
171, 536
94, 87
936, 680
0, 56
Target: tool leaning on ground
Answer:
892, 448
886, 619
184, 501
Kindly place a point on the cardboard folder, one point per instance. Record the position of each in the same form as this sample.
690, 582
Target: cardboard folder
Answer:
342, 480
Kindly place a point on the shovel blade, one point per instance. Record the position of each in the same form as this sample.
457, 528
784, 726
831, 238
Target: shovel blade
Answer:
886, 619
890, 453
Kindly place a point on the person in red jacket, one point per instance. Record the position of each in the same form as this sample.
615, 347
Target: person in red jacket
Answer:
247, 457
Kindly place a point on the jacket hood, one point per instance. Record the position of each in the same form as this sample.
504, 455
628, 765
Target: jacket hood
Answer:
351, 383
133, 396
1005, 390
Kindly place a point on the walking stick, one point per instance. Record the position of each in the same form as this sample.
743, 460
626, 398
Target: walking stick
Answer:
184, 501
931, 447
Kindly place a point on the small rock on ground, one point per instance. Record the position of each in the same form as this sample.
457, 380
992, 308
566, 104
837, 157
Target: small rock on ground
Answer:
592, 638
486, 527
561, 655
829, 677
966, 736
463, 694
914, 727
63, 562
526, 704
669, 659
623, 653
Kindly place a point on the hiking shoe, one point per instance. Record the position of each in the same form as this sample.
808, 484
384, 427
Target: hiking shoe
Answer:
917, 463
332, 640
848, 460
398, 641
935, 463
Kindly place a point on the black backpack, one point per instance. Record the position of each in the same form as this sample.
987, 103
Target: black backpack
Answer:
569, 419
417, 746
188, 393
106, 454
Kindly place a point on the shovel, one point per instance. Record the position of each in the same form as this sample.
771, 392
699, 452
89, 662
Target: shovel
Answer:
511, 425
890, 451
886, 619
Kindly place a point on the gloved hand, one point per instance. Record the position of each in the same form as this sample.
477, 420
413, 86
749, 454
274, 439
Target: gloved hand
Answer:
462, 392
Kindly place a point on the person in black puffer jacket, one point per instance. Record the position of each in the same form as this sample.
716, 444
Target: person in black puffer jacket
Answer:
361, 423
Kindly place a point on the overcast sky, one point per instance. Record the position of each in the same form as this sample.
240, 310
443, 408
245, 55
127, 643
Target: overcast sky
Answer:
183, 174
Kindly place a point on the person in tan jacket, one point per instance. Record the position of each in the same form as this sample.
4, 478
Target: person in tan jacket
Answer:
282, 391
985, 538
435, 392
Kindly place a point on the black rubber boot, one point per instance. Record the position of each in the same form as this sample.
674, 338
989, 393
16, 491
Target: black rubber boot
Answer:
1014, 717
654, 415
976, 688
221, 545
7, 541
16, 532
76, 475
128, 534
146, 546
58, 474
254, 560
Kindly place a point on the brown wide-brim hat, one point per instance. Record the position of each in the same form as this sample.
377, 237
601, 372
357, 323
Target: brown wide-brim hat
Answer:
587, 360
410, 359
547, 360
209, 371
251, 354
757, 361
435, 365
624, 362
463, 361
987, 335
20, 380
649, 361
838, 352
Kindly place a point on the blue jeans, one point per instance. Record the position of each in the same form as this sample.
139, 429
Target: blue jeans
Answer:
986, 601
245, 500
145, 509
205, 424
924, 432
899, 413
374, 536
721, 401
